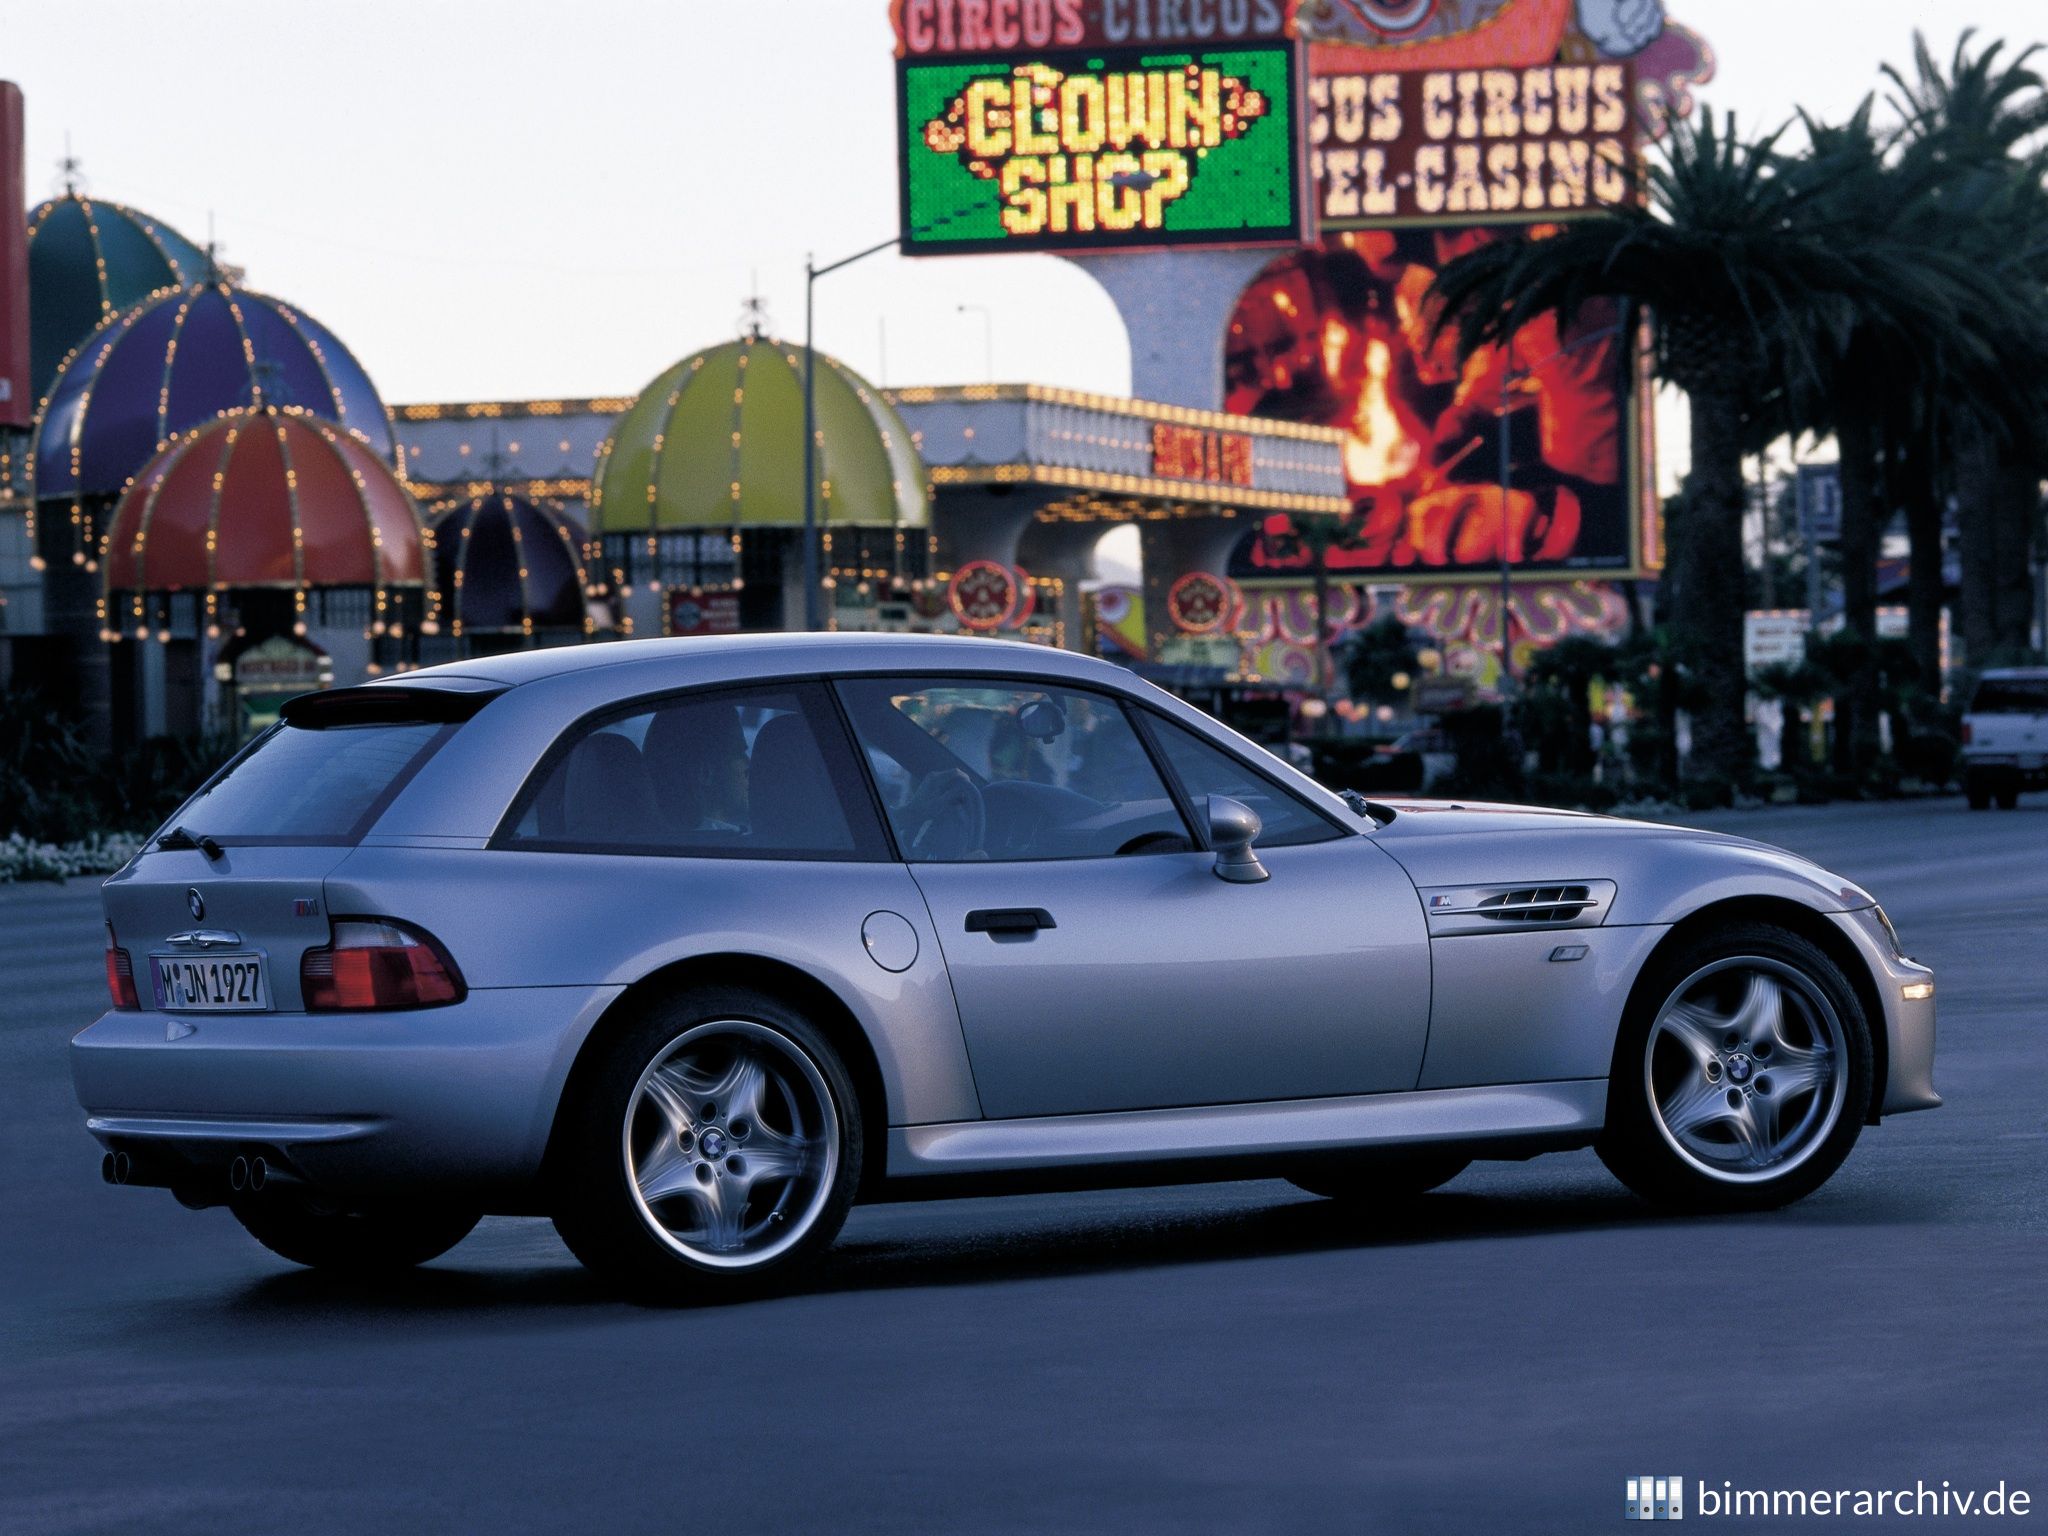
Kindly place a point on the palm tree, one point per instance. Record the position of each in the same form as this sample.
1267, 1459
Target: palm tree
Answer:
1740, 282
1882, 364
1973, 131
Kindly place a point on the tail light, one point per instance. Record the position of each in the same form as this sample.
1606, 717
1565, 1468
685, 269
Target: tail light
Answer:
1967, 733
120, 975
374, 962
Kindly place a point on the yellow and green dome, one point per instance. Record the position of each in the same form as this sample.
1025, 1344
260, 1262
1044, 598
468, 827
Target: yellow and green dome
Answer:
717, 442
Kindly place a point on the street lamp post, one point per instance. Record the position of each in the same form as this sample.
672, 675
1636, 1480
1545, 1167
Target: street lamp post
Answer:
988, 337
813, 607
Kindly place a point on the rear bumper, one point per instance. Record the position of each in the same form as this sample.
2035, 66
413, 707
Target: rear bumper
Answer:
2028, 769
1908, 1023
458, 1099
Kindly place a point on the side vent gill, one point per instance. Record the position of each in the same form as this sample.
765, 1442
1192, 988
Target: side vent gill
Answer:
1506, 908
1537, 904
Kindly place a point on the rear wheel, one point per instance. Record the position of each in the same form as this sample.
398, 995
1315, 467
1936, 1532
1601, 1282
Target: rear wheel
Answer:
711, 1153
380, 1240
1741, 1075
1380, 1180
1978, 791
2008, 796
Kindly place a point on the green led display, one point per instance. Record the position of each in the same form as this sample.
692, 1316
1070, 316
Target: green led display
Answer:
1101, 149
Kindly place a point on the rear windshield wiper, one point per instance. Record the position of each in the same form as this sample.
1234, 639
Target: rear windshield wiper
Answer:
178, 838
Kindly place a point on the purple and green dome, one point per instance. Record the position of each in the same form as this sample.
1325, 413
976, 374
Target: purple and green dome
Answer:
178, 359
507, 565
89, 259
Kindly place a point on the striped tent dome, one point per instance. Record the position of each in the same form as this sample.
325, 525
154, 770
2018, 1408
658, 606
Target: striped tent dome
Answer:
265, 498
717, 442
89, 259
507, 565
180, 358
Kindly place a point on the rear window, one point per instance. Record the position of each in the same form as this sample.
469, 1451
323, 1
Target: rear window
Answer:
2011, 696
302, 784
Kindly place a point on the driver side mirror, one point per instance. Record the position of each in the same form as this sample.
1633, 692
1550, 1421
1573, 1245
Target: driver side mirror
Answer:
1233, 827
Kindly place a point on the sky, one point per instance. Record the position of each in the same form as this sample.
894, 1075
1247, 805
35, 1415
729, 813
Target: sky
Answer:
506, 200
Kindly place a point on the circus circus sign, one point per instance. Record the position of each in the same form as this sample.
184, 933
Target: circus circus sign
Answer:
1472, 143
1201, 604
927, 28
984, 595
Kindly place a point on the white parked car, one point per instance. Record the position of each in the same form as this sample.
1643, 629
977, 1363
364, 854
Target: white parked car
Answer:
2005, 736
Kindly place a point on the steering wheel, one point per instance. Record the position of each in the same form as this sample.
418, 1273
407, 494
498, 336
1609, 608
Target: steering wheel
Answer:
944, 817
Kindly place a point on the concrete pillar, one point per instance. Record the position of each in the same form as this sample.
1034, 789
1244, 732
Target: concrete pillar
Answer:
1065, 550
982, 523
1176, 307
1170, 548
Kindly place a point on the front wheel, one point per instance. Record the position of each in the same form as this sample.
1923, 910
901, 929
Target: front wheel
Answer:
380, 1240
1741, 1074
711, 1153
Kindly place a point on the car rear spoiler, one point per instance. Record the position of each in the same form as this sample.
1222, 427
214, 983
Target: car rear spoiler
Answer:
444, 700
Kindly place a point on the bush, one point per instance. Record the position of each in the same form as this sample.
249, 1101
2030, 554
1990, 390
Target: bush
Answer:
1571, 791
1707, 792
1352, 762
1929, 756
21, 859
45, 767
54, 789
1489, 759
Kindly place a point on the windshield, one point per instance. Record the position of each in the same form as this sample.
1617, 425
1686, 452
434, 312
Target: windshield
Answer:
301, 784
2011, 696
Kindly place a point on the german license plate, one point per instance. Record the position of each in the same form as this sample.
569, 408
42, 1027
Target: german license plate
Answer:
210, 983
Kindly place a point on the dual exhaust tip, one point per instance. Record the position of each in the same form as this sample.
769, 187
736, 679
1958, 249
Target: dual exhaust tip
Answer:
246, 1175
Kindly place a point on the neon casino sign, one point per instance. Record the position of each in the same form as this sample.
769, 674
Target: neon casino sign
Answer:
1121, 148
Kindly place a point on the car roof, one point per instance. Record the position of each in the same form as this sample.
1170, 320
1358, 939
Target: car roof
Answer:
775, 651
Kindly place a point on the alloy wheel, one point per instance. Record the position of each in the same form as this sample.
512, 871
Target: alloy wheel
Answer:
731, 1143
1747, 1069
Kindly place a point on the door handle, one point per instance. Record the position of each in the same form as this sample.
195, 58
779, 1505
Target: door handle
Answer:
1009, 920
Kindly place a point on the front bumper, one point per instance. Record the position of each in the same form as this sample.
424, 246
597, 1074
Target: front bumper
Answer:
1908, 1022
457, 1100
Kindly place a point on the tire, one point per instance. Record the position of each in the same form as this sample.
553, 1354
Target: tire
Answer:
670, 1194
380, 1241
1977, 792
2008, 797
1380, 1181
1713, 1106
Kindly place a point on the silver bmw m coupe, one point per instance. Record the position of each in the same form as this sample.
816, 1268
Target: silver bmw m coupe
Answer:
691, 944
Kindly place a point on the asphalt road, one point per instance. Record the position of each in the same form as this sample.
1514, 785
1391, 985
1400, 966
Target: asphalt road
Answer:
1215, 1358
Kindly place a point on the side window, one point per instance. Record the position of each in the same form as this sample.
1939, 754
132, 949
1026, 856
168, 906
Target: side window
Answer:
740, 773
1204, 770
995, 770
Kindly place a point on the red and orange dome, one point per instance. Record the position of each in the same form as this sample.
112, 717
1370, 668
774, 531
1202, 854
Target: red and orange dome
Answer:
265, 498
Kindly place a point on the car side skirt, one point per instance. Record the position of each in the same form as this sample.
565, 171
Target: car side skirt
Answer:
1154, 1146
